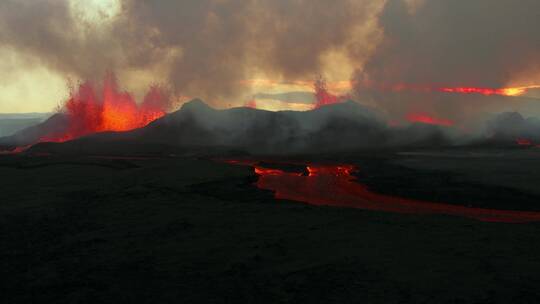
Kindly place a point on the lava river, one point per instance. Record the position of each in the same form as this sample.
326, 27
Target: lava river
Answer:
334, 185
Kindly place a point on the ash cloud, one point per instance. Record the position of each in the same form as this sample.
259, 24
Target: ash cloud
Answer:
48, 33
512, 126
440, 43
203, 47
217, 44
206, 48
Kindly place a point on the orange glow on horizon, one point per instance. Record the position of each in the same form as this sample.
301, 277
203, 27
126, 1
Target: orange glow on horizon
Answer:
511, 91
350, 84
508, 91
429, 119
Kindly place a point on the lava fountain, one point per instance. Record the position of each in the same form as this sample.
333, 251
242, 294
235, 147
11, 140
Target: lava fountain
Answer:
323, 97
91, 112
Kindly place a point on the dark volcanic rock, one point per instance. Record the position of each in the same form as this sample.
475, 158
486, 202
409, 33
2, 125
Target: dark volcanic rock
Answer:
56, 124
334, 128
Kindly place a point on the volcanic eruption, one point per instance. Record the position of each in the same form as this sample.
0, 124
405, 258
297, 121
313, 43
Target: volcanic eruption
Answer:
89, 111
323, 97
92, 109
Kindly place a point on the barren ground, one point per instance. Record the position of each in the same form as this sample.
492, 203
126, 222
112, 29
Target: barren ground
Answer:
162, 230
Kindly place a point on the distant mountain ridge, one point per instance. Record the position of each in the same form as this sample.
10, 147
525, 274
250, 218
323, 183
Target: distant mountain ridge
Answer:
56, 124
11, 123
31, 115
196, 126
347, 126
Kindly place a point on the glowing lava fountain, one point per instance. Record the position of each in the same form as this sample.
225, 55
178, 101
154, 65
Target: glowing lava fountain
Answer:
88, 112
323, 96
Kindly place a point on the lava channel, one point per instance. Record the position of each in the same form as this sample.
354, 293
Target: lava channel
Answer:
334, 185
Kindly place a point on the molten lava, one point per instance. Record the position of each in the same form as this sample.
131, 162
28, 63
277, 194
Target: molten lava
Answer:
323, 96
428, 119
334, 185
251, 104
516, 91
17, 150
112, 110
524, 142
509, 91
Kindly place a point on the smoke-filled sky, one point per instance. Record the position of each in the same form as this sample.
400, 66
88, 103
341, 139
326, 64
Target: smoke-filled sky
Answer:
227, 51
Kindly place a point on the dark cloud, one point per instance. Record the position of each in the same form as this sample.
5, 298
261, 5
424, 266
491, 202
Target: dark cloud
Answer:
481, 43
456, 43
220, 42
206, 46
47, 31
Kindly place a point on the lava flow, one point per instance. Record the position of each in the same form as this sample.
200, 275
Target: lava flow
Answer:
334, 185
512, 91
507, 91
428, 119
112, 110
524, 142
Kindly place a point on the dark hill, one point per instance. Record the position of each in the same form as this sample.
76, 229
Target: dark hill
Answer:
56, 124
196, 126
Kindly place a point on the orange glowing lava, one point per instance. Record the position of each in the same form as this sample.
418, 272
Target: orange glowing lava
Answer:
512, 91
251, 104
323, 96
508, 91
334, 185
524, 142
428, 119
112, 110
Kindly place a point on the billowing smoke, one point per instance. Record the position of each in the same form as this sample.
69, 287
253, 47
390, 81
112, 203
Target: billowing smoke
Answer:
47, 32
414, 59
434, 44
203, 48
509, 126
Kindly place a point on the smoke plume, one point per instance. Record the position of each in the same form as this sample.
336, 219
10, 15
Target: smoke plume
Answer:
208, 48
439, 43
201, 47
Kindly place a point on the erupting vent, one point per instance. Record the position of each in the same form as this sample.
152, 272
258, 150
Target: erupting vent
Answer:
89, 112
323, 96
